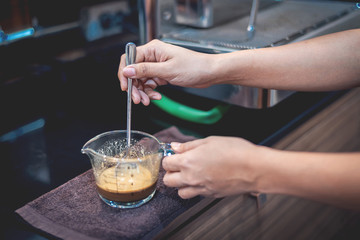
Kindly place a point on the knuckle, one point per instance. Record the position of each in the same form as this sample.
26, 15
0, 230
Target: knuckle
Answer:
166, 180
192, 180
122, 59
143, 69
185, 163
155, 41
183, 147
183, 193
211, 138
165, 163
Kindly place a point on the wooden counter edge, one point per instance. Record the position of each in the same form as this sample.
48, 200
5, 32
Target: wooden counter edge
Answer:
288, 142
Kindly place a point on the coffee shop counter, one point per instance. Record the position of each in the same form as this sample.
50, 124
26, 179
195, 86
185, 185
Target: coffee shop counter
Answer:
334, 129
83, 99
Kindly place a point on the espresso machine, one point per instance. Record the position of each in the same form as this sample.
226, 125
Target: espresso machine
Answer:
218, 26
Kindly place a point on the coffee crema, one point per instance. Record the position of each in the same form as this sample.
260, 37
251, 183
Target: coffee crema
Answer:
128, 183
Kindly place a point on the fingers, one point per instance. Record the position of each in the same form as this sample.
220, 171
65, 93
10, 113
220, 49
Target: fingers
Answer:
172, 163
147, 73
173, 179
144, 98
122, 78
153, 95
180, 170
136, 95
151, 84
190, 192
145, 70
175, 163
183, 147
129, 71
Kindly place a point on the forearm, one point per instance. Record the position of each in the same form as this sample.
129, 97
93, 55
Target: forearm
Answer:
331, 62
332, 178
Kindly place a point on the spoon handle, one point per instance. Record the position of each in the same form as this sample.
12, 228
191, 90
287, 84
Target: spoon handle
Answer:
130, 51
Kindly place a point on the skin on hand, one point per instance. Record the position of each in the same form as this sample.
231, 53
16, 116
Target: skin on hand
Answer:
159, 63
214, 166
325, 63
224, 166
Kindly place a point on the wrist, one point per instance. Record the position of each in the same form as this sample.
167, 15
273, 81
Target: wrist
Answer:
234, 68
267, 171
212, 73
219, 68
282, 172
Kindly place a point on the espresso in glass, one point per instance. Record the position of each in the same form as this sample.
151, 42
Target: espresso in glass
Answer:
129, 184
126, 176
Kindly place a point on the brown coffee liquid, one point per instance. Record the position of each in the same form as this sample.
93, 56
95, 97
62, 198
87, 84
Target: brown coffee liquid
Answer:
131, 185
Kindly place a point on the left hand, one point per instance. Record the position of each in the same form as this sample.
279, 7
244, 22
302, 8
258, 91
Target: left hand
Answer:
214, 167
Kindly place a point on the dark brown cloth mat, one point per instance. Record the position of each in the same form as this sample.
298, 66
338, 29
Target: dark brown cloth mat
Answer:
75, 211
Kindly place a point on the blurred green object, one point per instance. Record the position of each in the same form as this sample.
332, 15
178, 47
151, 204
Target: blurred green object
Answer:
191, 114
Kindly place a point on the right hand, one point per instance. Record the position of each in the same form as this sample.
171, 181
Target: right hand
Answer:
214, 167
159, 63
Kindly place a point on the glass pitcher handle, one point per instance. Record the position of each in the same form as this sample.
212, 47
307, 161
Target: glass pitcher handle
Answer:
168, 151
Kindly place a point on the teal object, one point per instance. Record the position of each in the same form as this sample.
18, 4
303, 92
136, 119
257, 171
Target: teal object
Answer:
191, 114
20, 34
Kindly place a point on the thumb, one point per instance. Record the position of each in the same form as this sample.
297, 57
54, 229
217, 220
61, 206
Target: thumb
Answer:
144, 70
184, 147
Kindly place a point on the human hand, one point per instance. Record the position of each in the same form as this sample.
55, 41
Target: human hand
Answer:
214, 167
159, 63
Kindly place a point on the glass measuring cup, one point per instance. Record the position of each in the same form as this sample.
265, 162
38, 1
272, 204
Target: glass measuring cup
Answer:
126, 177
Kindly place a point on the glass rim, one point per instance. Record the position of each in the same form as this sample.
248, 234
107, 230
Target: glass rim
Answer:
85, 149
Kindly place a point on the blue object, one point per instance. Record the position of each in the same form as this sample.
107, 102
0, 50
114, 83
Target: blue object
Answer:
13, 135
20, 34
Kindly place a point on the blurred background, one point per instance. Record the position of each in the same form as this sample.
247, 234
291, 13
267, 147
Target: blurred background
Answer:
59, 85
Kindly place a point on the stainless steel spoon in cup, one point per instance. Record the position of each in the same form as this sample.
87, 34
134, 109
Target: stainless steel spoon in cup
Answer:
130, 51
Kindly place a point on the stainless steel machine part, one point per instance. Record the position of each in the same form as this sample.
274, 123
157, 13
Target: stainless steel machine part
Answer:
280, 23
210, 13
251, 27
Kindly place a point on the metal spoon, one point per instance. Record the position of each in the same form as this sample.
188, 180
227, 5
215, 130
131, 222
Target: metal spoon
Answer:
130, 51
